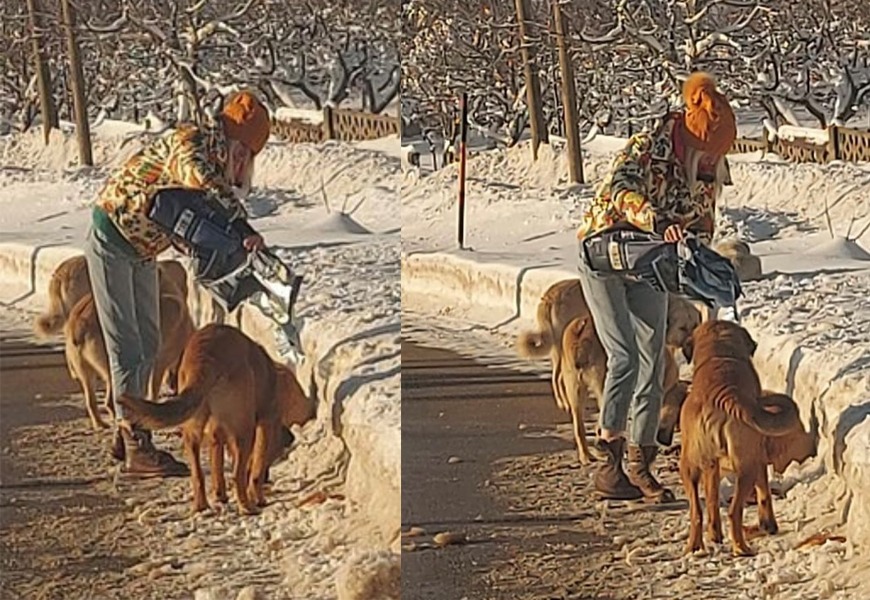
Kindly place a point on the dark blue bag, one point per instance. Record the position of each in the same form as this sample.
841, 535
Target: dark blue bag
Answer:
687, 268
215, 241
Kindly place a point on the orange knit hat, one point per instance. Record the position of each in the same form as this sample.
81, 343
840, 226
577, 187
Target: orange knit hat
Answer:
246, 120
710, 125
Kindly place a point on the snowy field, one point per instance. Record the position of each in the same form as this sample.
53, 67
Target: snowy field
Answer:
330, 210
810, 313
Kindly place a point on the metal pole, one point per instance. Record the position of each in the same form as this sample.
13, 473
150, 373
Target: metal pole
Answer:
569, 96
77, 83
463, 151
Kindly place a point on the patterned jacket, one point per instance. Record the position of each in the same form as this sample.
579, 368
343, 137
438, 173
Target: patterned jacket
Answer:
189, 157
647, 188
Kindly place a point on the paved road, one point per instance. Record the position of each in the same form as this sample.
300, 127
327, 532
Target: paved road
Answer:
452, 406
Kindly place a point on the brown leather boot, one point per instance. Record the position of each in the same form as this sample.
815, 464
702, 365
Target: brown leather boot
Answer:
640, 458
117, 451
610, 481
143, 460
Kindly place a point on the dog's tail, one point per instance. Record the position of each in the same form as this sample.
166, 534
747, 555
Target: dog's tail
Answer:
537, 344
51, 322
774, 415
162, 415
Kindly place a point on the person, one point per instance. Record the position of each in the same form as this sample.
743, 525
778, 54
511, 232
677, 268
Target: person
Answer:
665, 181
190, 173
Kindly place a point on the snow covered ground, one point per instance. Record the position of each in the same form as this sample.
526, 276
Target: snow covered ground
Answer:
330, 210
811, 313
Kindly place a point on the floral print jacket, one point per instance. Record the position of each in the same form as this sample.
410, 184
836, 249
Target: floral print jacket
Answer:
647, 187
189, 157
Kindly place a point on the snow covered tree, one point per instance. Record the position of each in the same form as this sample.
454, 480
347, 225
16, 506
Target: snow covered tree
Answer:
454, 46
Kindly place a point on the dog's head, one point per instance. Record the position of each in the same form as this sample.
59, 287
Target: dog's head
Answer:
296, 407
726, 337
796, 446
683, 319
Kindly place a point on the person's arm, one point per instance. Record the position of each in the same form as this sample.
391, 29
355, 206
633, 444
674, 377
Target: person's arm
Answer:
628, 189
704, 225
194, 168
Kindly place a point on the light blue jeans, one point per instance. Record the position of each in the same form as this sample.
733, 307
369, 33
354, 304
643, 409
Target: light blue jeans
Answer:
630, 318
126, 294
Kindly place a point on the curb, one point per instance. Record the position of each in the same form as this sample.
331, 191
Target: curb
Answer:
373, 472
838, 404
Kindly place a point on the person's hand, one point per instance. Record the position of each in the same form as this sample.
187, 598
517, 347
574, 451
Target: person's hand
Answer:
674, 233
253, 242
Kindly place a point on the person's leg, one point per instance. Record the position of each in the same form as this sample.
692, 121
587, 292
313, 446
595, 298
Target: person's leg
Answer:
146, 291
649, 313
649, 310
111, 275
605, 297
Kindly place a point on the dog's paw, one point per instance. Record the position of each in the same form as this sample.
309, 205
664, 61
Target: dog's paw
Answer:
250, 510
769, 527
199, 507
742, 551
715, 536
695, 549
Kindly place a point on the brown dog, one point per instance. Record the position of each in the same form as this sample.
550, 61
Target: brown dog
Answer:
562, 303
70, 283
584, 371
725, 423
230, 393
86, 355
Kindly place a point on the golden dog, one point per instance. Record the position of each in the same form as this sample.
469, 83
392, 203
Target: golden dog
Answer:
562, 303
230, 393
584, 371
725, 423
86, 357
70, 283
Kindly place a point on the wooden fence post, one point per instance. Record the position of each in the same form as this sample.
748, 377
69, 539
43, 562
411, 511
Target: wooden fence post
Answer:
46, 100
569, 97
834, 142
328, 123
533, 85
77, 83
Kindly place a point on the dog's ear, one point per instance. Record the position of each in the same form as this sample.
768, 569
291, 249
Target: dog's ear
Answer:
688, 347
753, 345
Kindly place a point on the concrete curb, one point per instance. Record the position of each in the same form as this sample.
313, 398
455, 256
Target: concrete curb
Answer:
458, 280
373, 472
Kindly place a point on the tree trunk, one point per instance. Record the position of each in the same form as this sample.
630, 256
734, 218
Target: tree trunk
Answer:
569, 97
77, 83
46, 102
533, 85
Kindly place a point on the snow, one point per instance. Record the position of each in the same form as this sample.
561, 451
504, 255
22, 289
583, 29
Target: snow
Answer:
792, 133
349, 309
315, 117
810, 313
